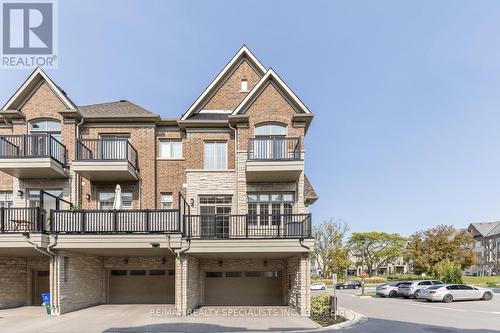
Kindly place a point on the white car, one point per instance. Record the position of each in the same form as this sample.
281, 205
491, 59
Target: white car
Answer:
455, 292
318, 286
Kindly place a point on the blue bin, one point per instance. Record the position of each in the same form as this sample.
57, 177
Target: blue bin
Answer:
45, 298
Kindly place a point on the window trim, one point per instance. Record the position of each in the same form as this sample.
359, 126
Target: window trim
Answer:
226, 159
171, 200
282, 125
159, 157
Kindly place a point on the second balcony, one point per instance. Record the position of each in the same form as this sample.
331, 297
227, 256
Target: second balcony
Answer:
274, 159
32, 156
104, 160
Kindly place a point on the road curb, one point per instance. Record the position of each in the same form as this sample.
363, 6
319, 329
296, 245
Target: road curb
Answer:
351, 316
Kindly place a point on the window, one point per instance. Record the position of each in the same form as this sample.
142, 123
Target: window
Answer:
270, 130
46, 126
119, 272
244, 85
215, 155
215, 211
166, 201
138, 272
170, 149
106, 200
157, 272
233, 274
5, 199
33, 195
272, 208
213, 274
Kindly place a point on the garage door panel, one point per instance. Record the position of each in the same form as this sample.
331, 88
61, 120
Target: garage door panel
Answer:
141, 289
244, 290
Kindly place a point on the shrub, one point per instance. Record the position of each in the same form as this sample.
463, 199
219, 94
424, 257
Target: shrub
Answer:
448, 271
320, 305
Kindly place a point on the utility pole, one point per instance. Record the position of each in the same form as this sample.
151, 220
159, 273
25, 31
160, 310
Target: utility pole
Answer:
363, 268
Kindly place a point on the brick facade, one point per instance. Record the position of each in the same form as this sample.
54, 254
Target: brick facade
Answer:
80, 280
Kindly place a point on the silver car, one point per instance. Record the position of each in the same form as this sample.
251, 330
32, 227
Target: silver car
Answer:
413, 288
455, 292
388, 289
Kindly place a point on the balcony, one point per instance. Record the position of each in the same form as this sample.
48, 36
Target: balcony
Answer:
274, 159
32, 156
115, 221
224, 226
21, 220
106, 160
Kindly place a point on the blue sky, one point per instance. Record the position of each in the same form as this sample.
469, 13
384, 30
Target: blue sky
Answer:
406, 94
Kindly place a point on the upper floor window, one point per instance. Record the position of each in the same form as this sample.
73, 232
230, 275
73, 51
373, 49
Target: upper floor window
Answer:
244, 85
46, 126
271, 130
5, 199
215, 156
33, 196
107, 199
166, 201
170, 149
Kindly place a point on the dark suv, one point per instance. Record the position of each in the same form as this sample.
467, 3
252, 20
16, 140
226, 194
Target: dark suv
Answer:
349, 285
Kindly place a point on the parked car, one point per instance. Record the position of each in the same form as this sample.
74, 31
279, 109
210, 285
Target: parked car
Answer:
455, 292
318, 286
388, 289
349, 285
413, 288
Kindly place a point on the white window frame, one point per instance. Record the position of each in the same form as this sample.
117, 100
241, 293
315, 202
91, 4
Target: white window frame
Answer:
214, 164
164, 202
244, 85
6, 199
170, 149
99, 202
270, 127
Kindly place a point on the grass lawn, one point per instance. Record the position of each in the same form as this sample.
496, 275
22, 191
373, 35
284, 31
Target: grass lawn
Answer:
483, 281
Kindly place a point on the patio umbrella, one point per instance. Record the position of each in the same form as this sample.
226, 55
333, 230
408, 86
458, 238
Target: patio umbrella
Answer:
117, 204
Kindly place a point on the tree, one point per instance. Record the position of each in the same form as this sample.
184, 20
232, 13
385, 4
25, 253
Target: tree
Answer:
448, 271
379, 248
330, 252
428, 247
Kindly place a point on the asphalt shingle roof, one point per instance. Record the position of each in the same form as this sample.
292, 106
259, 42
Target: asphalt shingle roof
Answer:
487, 228
118, 109
309, 192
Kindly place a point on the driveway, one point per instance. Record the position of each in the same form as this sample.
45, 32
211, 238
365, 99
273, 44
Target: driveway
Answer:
410, 315
154, 318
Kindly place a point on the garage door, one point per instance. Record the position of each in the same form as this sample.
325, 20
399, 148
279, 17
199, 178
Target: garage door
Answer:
243, 288
139, 286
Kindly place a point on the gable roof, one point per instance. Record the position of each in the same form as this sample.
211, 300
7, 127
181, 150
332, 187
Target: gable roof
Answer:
487, 228
117, 109
37, 76
280, 84
310, 195
242, 53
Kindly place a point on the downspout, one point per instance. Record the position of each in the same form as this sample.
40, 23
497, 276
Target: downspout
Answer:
235, 162
48, 252
301, 241
78, 177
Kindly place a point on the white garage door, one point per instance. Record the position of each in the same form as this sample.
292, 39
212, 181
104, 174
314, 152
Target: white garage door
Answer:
243, 288
155, 286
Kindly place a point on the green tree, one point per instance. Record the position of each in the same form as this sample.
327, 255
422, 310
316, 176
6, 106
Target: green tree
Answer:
448, 271
428, 247
379, 248
330, 252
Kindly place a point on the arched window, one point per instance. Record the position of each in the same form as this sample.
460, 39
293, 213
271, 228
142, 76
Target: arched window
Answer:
46, 126
271, 130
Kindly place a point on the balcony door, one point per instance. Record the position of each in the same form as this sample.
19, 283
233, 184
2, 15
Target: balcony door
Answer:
114, 146
37, 144
270, 142
215, 214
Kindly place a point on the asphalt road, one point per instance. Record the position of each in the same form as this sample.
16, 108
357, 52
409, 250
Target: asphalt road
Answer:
389, 315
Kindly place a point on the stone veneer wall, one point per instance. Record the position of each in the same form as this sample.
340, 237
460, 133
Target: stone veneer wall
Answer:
210, 183
81, 283
187, 284
16, 279
298, 281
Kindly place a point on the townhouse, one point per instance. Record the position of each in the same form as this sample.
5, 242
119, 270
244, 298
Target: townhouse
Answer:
486, 248
213, 205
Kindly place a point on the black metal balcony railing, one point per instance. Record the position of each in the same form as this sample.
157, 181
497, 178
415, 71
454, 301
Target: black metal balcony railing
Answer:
106, 150
19, 220
248, 226
115, 221
274, 148
32, 146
